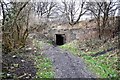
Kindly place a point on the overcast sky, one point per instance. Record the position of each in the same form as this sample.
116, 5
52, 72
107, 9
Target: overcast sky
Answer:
58, 0
82, 18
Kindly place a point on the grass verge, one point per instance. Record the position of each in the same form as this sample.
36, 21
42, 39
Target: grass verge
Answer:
42, 63
44, 67
103, 66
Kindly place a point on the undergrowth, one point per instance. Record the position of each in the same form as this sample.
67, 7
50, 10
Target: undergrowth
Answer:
43, 64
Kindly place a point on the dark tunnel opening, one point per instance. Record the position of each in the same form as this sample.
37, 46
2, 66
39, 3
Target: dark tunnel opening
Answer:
60, 39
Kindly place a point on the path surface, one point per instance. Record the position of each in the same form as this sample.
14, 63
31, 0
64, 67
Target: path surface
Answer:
67, 65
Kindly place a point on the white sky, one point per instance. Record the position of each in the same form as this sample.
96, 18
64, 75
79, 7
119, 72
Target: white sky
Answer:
82, 18
57, 0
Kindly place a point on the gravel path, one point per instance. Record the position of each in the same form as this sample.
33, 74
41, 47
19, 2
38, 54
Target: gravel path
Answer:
67, 65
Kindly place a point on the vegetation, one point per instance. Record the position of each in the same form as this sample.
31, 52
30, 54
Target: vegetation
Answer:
36, 64
14, 33
104, 66
101, 13
44, 67
20, 19
42, 63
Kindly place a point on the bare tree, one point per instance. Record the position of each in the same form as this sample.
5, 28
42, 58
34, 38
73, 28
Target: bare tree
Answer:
73, 10
102, 12
96, 11
44, 8
118, 28
15, 25
3, 12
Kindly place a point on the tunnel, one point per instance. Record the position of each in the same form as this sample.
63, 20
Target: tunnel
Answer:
60, 39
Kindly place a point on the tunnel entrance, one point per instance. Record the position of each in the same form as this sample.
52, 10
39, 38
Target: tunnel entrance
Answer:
60, 39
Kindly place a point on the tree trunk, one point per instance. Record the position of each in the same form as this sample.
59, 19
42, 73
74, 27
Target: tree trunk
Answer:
3, 12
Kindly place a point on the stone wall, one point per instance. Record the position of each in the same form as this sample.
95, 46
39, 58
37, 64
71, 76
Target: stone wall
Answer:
72, 34
82, 31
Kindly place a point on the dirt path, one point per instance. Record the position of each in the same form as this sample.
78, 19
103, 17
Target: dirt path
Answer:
67, 65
